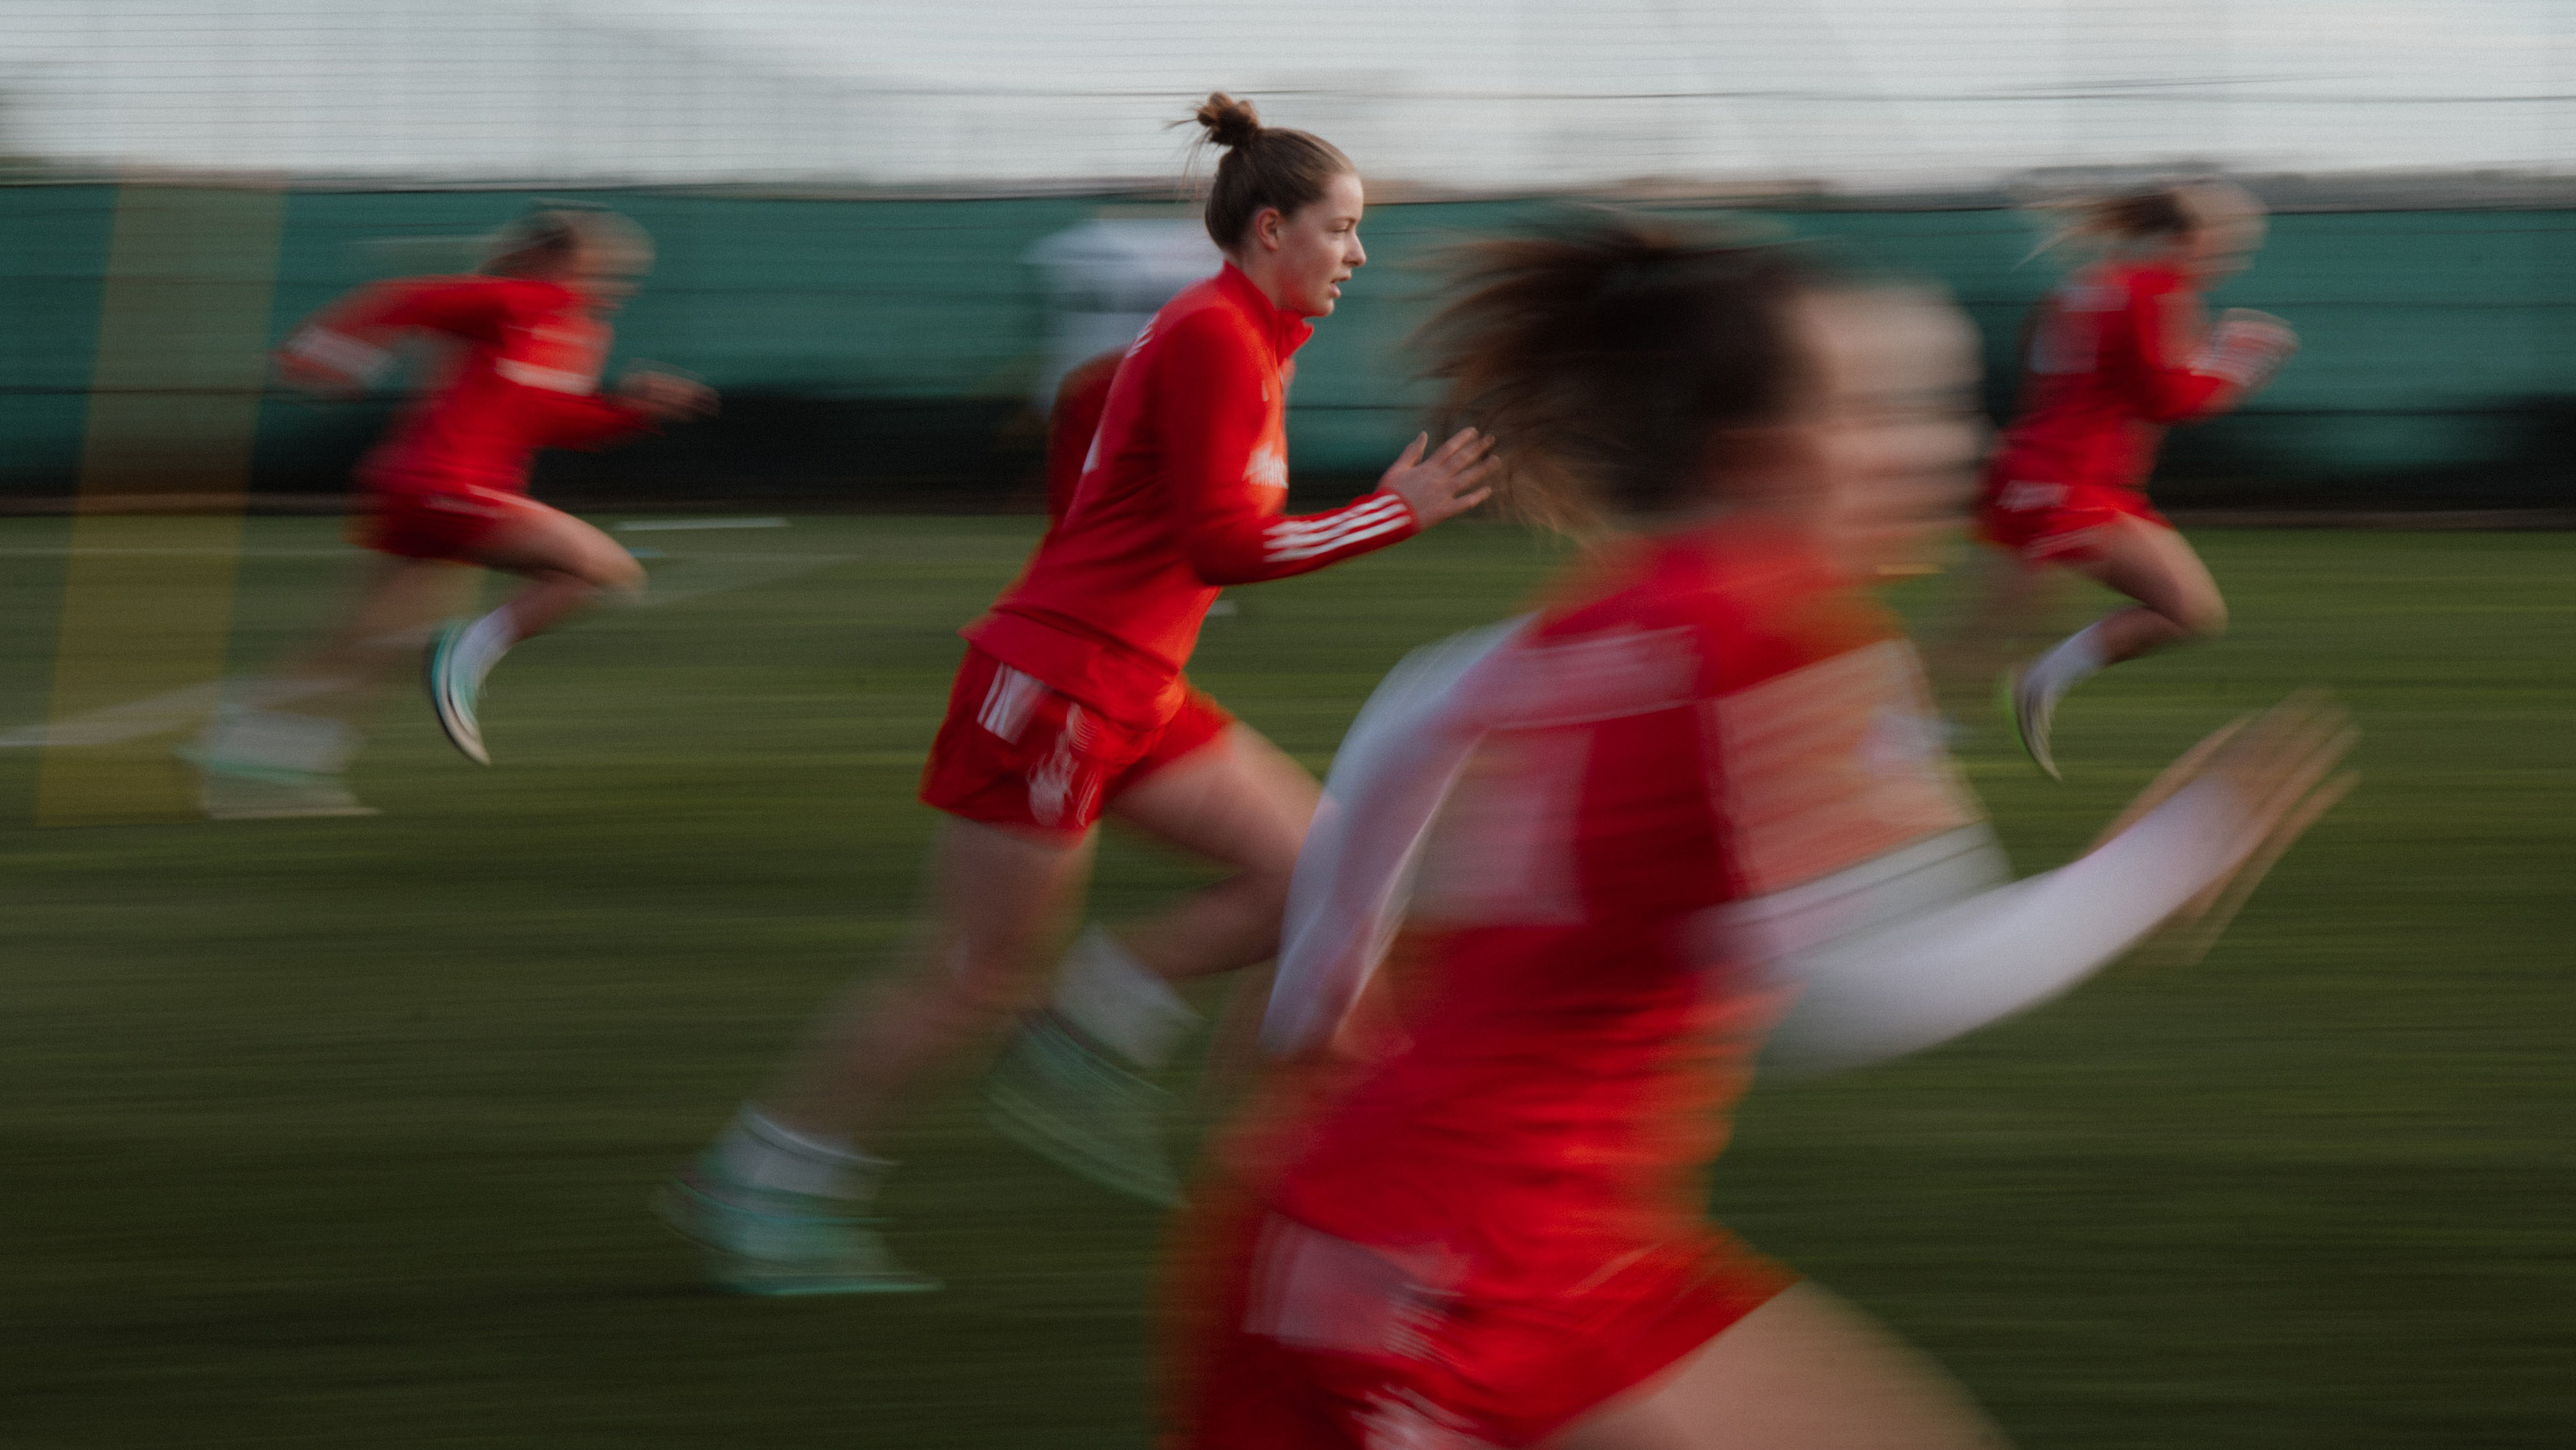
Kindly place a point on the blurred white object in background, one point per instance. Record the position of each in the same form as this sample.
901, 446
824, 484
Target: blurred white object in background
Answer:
1106, 279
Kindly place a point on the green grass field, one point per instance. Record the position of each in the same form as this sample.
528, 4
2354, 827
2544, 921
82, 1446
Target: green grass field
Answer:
337, 1133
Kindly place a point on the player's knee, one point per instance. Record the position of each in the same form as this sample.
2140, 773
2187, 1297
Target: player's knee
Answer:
1265, 878
616, 574
2202, 618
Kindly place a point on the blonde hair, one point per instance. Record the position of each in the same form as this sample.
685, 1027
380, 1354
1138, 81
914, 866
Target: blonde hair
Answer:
543, 240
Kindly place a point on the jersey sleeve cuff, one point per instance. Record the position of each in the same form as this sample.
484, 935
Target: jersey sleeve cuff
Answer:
1380, 519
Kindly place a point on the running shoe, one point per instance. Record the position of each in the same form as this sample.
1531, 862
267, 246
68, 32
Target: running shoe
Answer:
231, 790
757, 1241
452, 697
1056, 1095
2031, 712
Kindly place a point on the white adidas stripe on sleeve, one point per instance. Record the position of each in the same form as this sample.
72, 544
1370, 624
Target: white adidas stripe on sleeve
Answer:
1301, 539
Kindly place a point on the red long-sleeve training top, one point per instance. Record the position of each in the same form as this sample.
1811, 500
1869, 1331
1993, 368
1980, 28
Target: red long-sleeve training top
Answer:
1183, 492
2117, 353
525, 377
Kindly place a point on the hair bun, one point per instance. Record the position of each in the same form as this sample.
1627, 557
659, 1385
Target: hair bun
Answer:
1230, 123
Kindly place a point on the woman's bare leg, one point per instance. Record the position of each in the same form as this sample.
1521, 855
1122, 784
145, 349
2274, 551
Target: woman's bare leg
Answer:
2177, 600
999, 900
380, 635
1245, 803
1071, 1084
1240, 802
279, 745
775, 1199
1803, 1372
567, 565
566, 562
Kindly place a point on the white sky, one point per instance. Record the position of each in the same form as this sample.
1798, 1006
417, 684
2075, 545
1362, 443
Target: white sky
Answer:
1479, 93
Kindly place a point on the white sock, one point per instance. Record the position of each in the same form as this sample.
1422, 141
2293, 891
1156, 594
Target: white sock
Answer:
2076, 658
483, 644
281, 740
758, 1151
1102, 989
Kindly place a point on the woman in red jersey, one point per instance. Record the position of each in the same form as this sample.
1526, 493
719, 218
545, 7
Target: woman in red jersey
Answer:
1701, 783
525, 341
2120, 351
1071, 704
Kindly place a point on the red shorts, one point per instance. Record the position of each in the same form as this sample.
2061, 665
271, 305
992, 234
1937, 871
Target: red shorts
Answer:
1013, 752
1284, 1338
2054, 522
448, 524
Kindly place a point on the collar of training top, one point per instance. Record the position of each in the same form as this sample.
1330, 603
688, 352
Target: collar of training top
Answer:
1286, 330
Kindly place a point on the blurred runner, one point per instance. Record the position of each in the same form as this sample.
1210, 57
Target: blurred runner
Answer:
1071, 704
522, 347
2117, 353
1703, 782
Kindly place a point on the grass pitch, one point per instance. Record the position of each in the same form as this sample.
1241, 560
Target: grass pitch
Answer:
336, 1133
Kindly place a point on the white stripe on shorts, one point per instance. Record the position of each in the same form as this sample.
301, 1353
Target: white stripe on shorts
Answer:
1008, 702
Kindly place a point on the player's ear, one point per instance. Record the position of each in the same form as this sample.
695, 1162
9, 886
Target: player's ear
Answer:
1269, 228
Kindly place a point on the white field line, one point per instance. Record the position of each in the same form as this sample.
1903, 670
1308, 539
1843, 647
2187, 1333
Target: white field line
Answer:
725, 572
638, 526
183, 708
154, 714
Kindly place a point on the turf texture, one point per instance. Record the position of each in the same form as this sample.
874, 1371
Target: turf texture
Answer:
337, 1133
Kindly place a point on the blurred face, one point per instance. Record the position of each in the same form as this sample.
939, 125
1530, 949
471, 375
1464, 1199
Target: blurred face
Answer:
2227, 229
1302, 259
1878, 462
606, 269
2222, 246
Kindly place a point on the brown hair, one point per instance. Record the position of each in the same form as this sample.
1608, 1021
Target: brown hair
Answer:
2164, 211
1263, 167
1602, 359
543, 240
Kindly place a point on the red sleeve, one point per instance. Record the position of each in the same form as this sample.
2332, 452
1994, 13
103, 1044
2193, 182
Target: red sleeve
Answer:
1071, 424
473, 309
588, 420
2172, 338
1229, 480
351, 341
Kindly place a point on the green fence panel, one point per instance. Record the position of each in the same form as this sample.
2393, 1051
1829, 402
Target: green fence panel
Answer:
867, 331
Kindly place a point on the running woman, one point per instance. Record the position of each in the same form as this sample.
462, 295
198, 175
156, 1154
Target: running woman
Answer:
523, 344
1703, 780
1071, 704
2119, 352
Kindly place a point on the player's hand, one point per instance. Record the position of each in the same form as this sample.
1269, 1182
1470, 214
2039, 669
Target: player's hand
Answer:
2279, 768
2261, 328
667, 396
1443, 485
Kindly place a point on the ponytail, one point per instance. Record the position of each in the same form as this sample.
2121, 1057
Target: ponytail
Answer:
2133, 216
2156, 213
1264, 168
